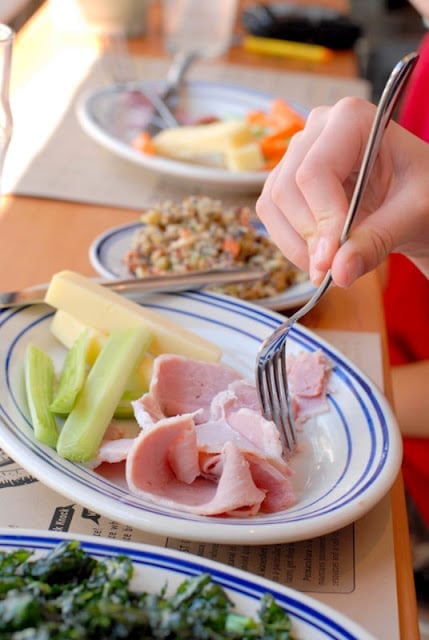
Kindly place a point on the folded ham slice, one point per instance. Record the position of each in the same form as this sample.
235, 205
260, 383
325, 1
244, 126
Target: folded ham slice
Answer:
204, 446
308, 375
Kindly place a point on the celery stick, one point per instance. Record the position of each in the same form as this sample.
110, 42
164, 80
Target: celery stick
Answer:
95, 405
137, 385
124, 409
39, 380
72, 376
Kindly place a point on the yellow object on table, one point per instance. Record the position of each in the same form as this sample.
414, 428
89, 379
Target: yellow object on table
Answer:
287, 49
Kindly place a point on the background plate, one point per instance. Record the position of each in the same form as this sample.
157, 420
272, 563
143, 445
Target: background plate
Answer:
111, 117
348, 458
108, 249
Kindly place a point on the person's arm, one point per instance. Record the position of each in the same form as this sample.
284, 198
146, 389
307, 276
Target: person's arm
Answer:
411, 399
305, 199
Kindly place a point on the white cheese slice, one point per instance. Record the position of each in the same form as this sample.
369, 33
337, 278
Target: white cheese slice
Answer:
104, 310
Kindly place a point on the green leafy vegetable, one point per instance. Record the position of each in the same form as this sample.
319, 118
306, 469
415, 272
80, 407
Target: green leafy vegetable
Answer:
67, 594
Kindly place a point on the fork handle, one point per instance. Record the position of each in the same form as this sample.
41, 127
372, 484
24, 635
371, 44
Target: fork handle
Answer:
388, 101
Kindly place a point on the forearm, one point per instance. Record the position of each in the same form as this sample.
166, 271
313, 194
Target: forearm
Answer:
411, 398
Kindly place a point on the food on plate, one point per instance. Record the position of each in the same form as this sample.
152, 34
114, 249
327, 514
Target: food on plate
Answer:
104, 310
199, 233
199, 442
39, 383
253, 143
123, 332
95, 404
204, 446
190, 142
68, 593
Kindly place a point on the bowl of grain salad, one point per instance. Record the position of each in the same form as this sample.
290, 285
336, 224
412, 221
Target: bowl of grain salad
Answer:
200, 233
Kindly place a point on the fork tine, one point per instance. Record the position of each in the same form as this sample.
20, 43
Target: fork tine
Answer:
273, 392
279, 399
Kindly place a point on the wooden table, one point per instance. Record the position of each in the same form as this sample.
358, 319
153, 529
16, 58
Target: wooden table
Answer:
39, 237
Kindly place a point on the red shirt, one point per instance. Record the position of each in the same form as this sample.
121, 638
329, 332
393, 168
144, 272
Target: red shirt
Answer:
406, 301
406, 296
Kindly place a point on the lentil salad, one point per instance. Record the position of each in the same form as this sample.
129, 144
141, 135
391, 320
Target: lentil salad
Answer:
199, 233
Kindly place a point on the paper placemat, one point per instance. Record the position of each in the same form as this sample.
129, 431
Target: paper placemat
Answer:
50, 155
352, 569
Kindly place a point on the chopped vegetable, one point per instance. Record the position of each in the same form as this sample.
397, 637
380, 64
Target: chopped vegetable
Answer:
39, 386
69, 594
95, 405
72, 377
144, 143
275, 129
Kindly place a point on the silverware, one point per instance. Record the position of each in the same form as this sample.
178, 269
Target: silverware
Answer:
271, 371
119, 64
136, 288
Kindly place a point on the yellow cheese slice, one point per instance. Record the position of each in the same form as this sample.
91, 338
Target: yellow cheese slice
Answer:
67, 330
245, 158
217, 137
104, 310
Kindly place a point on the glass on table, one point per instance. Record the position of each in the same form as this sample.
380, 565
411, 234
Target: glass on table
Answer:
203, 27
6, 43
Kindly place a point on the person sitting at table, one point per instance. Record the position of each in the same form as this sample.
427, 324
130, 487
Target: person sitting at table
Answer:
407, 288
305, 200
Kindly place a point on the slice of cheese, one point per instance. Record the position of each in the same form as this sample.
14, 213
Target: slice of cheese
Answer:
216, 137
67, 330
105, 310
245, 158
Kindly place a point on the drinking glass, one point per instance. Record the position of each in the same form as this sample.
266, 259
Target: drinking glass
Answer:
203, 27
6, 42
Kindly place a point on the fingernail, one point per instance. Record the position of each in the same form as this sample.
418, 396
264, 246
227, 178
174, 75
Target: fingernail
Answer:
316, 276
321, 254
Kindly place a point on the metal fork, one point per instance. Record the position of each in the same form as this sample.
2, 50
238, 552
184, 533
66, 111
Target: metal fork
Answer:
119, 65
271, 373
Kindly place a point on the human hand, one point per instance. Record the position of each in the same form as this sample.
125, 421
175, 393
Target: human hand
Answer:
305, 199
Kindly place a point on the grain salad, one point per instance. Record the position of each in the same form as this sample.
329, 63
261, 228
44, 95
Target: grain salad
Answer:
199, 233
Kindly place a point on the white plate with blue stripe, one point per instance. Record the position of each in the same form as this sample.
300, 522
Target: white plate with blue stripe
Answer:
156, 568
348, 456
107, 253
113, 116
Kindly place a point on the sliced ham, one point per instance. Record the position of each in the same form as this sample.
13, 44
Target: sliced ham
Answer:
112, 451
308, 375
204, 446
182, 385
149, 475
240, 466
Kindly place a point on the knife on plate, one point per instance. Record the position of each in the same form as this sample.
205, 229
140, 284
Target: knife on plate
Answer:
136, 288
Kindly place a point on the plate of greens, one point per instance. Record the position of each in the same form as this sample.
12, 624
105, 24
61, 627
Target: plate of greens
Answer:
348, 456
149, 591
